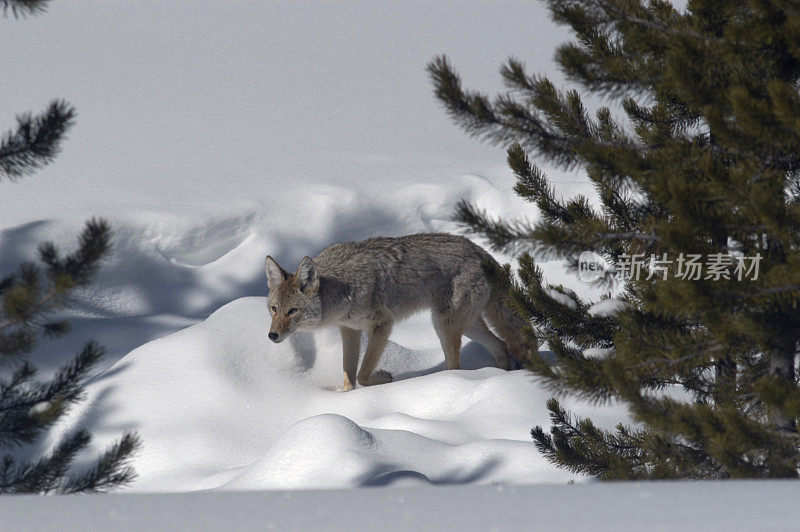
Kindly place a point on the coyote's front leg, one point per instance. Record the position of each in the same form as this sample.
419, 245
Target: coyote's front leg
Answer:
351, 345
377, 336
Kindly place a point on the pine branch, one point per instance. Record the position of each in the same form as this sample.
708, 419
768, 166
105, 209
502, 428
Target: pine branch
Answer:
21, 8
37, 139
111, 470
27, 305
44, 474
27, 409
501, 235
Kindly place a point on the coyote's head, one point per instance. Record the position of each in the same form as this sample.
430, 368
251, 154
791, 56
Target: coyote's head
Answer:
293, 299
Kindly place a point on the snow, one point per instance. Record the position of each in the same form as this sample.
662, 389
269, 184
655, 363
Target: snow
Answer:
219, 406
598, 352
606, 307
210, 135
619, 506
562, 298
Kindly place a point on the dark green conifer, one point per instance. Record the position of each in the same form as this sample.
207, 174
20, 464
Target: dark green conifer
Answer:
30, 300
698, 157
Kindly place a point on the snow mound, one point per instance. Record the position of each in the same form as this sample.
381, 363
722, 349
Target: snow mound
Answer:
302, 457
219, 406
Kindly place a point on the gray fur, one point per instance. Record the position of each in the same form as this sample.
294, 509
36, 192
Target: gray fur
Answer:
370, 285
307, 275
275, 274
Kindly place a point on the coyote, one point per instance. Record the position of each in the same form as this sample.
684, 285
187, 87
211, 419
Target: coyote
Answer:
369, 285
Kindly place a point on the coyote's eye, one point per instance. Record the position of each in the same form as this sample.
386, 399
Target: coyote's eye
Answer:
273, 308
292, 311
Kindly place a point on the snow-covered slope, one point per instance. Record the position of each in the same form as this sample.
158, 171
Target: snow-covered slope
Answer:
219, 406
211, 134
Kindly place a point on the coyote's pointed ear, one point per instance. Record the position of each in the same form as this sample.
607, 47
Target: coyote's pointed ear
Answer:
275, 274
307, 277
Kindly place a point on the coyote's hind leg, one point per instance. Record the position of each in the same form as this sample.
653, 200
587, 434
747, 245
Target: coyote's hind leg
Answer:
479, 332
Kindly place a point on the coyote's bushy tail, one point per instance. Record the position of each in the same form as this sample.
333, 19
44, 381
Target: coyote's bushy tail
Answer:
508, 325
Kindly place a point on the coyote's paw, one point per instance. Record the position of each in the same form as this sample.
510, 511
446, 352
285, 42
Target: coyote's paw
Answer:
381, 377
378, 377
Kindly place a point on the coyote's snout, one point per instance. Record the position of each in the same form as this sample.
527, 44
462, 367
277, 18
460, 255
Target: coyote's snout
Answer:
367, 286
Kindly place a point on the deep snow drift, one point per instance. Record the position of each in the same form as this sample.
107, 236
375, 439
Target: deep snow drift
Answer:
219, 406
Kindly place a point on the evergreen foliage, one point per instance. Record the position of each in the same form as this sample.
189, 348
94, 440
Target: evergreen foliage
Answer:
697, 155
29, 302
23, 7
35, 141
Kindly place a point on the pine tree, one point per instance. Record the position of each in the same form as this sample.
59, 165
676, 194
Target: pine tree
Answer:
29, 302
697, 155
